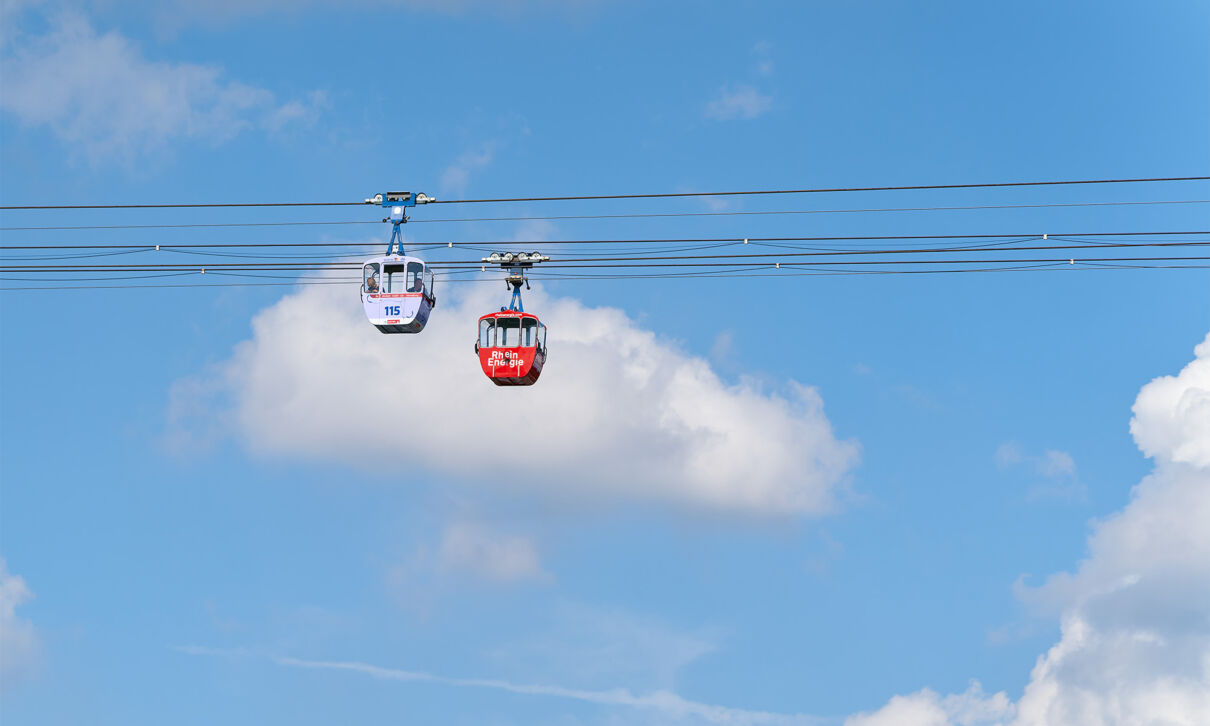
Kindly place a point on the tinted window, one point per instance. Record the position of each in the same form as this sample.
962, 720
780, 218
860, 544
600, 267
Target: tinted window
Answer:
394, 278
415, 277
370, 277
508, 332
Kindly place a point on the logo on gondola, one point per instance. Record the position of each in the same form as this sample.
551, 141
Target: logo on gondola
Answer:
502, 358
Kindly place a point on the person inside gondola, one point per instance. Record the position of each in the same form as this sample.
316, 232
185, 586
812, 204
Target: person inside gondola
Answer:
372, 283
417, 284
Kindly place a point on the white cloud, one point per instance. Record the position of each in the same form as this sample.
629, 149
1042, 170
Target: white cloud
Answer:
926, 708
1057, 463
1172, 414
103, 98
619, 412
466, 550
472, 548
296, 113
763, 50
457, 175
721, 348
588, 647
19, 646
1135, 645
1008, 453
739, 101
175, 14
10, 15
1056, 469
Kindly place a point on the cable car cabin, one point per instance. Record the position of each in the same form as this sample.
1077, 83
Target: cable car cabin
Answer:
511, 347
397, 293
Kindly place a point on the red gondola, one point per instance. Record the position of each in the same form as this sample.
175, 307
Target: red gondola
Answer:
512, 343
511, 347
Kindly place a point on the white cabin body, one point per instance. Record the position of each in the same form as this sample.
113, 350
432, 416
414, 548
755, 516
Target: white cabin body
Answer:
397, 293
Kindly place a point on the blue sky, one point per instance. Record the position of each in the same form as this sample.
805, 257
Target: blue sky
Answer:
749, 501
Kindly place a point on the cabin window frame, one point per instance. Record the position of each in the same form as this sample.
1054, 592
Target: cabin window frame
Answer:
375, 270
505, 324
413, 274
530, 324
488, 324
429, 282
391, 271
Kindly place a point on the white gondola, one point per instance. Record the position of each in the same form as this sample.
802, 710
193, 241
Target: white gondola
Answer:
397, 290
397, 293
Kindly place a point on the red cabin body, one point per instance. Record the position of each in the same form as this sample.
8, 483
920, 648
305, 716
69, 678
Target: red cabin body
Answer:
511, 347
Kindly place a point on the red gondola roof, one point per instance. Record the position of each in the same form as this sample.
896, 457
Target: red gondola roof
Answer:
508, 314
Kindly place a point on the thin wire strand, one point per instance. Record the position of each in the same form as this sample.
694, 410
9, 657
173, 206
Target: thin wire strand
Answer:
684, 262
588, 197
126, 277
763, 255
654, 240
567, 217
914, 187
779, 274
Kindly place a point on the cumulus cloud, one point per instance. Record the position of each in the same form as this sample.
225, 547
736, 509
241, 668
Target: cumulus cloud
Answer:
619, 412
18, 640
102, 97
739, 101
1135, 614
1172, 414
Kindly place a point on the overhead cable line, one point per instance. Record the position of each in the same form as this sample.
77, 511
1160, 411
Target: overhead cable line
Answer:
658, 195
528, 243
331, 264
553, 218
851, 253
535, 218
629, 258
216, 224
580, 265
825, 190
635, 261
1062, 265
772, 263
25, 207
